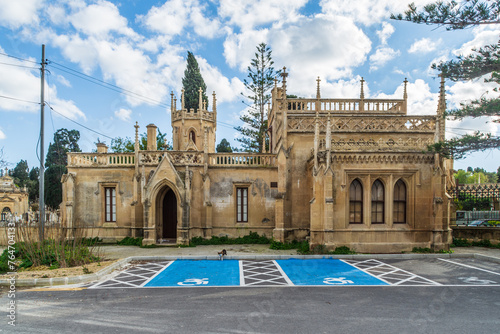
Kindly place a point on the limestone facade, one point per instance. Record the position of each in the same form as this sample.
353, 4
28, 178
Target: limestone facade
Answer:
351, 172
13, 200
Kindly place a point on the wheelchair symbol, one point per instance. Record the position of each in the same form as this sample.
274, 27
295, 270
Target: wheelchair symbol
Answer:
337, 281
194, 281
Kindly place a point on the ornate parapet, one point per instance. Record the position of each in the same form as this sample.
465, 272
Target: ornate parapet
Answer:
150, 158
363, 123
186, 157
374, 106
100, 159
193, 114
241, 160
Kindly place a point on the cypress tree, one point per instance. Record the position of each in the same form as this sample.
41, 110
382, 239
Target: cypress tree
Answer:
192, 82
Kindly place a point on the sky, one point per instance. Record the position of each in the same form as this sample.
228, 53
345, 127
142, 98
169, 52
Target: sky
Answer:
139, 49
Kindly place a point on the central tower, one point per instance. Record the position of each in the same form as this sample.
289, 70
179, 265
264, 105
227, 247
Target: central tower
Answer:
194, 129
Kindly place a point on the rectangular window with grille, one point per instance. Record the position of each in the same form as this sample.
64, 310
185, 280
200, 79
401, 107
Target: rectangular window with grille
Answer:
242, 205
110, 204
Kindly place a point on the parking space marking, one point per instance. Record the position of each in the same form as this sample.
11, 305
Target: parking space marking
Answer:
389, 274
471, 267
134, 277
263, 273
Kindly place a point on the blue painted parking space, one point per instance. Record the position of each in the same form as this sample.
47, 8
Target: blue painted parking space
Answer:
325, 272
289, 272
198, 273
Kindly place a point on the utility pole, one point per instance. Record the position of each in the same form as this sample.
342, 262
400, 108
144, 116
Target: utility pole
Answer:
41, 209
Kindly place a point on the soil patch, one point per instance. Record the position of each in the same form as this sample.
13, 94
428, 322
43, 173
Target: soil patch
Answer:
45, 272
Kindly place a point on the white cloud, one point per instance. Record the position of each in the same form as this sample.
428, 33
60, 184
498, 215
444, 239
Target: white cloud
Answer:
249, 14
367, 11
2, 135
424, 45
24, 85
382, 56
482, 36
17, 13
174, 15
123, 114
100, 19
386, 32
311, 47
227, 90
421, 101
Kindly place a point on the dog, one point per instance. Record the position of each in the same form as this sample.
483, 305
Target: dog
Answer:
222, 254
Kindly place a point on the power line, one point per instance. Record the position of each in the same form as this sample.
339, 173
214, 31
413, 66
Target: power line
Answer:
13, 98
83, 126
30, 67
18, 58
105, 84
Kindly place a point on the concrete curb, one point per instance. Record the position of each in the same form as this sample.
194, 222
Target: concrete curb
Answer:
40, 282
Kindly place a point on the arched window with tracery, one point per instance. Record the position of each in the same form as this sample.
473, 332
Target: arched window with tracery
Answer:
377, 202
399, 205
356, 202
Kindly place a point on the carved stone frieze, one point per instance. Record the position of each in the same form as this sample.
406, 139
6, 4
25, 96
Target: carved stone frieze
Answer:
366, 124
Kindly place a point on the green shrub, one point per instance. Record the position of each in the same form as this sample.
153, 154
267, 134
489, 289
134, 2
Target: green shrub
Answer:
421, 250
482, 243
458, 242
129, 241
343, 250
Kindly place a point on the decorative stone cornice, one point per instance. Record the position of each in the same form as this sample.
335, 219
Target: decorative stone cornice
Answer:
385, 158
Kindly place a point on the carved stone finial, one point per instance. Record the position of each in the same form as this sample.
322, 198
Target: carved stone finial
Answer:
200, 99
182, 100
318, 91
405, 94
284, 75
136, 145
275, 81
362, 94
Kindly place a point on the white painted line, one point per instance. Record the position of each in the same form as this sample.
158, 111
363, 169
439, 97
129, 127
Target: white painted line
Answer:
161, 270
366, 271
242, 276
285, 276
472, 267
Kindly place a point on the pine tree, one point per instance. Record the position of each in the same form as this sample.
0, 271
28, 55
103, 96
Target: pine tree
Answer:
456, 15
192, 82
224, 147
261, 76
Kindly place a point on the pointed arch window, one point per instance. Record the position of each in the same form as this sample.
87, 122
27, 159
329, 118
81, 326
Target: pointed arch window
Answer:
377, 202
356, 202
192, 136
399, 207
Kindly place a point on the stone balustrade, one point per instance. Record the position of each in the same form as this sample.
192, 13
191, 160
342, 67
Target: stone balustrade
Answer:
100, 159
242, 160
347, 105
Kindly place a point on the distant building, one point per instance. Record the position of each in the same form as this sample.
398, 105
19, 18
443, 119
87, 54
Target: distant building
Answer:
13, 200
351, 172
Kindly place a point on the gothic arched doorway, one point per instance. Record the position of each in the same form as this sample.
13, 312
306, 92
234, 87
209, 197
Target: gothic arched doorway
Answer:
167, 214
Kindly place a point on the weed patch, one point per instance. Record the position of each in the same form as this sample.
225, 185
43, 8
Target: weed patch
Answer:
251, 238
